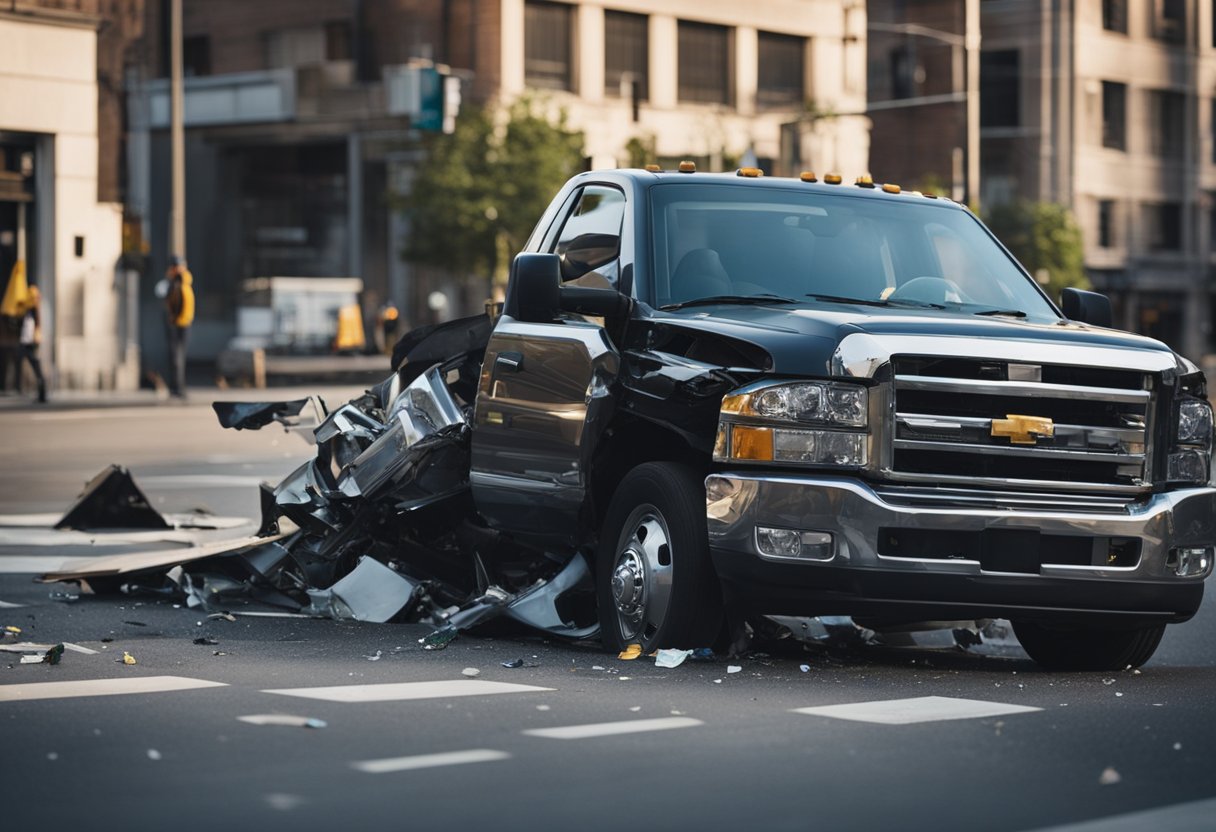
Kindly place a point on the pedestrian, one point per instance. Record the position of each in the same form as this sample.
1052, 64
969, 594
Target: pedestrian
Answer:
179, 315
31, 337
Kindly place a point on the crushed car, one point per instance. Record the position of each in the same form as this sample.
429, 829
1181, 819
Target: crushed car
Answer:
712, 396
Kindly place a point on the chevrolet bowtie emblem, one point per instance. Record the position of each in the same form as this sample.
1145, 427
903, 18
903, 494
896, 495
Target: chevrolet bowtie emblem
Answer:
1022, 430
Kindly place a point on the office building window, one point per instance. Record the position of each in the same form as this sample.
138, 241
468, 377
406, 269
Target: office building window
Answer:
1000, 104
1114, 15
1114, 115
1169, 20
1163, 225
626, 52
196, 55
547, 36
782, 67
704, 63
337, 41
1167, 118
1107, 235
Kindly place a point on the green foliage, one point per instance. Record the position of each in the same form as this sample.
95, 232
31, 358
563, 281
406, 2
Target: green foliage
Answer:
640, 151
1046, 239
482, 188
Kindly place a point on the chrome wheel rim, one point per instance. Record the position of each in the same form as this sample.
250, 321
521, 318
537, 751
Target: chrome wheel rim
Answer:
641, 576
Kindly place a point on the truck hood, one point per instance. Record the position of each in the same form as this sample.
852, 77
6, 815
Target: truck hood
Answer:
814, 340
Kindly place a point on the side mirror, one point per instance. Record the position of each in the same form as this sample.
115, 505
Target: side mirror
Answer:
1086, 307
532, 291
587, 252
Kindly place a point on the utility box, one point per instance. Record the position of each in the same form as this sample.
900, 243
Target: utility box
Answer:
293, 315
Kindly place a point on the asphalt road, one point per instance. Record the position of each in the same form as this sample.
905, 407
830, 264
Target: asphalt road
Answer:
695, 747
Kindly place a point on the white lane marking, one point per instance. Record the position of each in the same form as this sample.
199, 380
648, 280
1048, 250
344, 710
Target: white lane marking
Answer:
396, 691
605, 729
918, 709
102, 687
69, 537
67, 645
1195, 816
32, 564
450, 758
29, 520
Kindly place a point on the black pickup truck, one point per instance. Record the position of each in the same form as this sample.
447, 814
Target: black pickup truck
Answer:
712, 396
810, 398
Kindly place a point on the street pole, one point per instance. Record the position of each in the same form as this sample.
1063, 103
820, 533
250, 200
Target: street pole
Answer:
972, 46
176, 133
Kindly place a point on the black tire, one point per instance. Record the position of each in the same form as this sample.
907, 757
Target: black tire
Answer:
654, 544
1082, 648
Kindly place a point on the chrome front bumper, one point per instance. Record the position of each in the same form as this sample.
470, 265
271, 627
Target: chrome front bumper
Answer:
856, 579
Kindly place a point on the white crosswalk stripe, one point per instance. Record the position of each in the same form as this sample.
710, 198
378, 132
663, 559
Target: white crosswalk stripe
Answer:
399, 691
918, 709
101, 687
606, 729
450, 758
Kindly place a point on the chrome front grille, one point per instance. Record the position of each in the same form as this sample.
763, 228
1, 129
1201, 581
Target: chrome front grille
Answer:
997, 424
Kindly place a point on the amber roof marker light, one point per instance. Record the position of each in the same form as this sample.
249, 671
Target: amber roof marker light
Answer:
865, 181
749, 172
808, 176
890, 188
832, 178
688, 167
654, 168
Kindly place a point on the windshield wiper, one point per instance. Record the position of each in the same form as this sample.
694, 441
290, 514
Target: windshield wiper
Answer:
915, 304
1012, 313
739, 299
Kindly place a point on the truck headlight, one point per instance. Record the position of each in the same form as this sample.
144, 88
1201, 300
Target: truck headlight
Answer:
1190, 456
771, 422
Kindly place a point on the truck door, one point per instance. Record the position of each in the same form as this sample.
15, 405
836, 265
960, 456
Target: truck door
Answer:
543, 398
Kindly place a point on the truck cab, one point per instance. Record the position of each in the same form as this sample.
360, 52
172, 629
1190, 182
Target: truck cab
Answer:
803, 397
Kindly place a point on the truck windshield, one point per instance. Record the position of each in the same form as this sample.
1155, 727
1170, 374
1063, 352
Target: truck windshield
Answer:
749, 240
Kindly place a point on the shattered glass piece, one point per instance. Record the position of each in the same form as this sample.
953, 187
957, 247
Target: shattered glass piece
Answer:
439, 639
255, 415
671, 658
112, 500
369, 592
514, 663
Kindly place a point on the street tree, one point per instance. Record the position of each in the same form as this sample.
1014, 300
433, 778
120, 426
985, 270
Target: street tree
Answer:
474, 202
1045, 238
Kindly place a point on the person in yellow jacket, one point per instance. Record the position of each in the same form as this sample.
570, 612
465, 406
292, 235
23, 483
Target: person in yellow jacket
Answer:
179, 315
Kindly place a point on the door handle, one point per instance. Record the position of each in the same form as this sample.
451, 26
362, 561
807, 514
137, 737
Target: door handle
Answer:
513, 361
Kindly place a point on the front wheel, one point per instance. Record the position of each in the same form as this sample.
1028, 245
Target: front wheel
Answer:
1081, 648
655, 583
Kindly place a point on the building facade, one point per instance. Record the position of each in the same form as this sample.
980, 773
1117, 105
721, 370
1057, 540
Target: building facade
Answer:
1108, 107
296, 139
60, 200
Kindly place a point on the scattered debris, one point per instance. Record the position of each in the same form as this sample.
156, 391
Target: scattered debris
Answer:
208, 640
284, 802
1177, 746
636, 708
255, 415
438, 639
127, 658
630, 653
1109, 777
375, 657
733, 668
471, 672
135, 623
64, 597
12, 631
35, 653
513, 663
369, 592
703, 654
671, 658
226, 616
284, 719
544, 707
112, 500
76, 648
153, 754
805, 668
